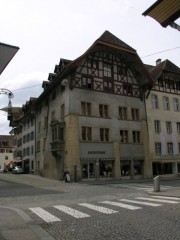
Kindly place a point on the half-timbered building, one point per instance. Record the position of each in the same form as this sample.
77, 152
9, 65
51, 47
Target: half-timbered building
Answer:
163, 111
91, 116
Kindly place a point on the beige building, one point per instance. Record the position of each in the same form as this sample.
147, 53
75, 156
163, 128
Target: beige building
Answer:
6, 152
91, 116
163, 116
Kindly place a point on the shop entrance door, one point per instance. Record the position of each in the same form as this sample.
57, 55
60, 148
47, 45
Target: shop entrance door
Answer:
88, 170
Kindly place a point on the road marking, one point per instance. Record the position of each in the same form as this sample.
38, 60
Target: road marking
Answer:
123, 205
71, 211
46, 216
170, 198
142, 203
98, 208
157, 200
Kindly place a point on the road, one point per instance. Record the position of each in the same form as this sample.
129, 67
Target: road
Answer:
96, 211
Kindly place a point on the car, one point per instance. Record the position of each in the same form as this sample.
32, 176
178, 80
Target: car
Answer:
17, 169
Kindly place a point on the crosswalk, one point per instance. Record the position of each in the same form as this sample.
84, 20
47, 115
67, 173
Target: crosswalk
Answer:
104, 207
149, 187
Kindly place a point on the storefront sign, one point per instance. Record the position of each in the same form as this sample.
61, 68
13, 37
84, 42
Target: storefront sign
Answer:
96, 150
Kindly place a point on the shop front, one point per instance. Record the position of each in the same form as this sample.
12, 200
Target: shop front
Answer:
132, 168
97, 161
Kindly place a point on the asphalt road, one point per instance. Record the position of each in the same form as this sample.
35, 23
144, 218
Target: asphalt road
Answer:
95, 211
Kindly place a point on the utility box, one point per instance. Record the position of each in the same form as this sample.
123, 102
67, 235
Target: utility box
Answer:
157, 184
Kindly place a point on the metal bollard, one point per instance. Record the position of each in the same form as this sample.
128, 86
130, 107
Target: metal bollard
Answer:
157, 184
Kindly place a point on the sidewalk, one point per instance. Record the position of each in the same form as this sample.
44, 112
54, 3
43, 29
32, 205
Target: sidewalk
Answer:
18, 225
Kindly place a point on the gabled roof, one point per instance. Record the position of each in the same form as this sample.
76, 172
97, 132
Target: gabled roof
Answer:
7, 52
165, 66
109, 38
111, 43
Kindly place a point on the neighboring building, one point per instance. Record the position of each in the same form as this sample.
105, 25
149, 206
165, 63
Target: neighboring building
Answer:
24, 136
6, 151
163, 116
91, 117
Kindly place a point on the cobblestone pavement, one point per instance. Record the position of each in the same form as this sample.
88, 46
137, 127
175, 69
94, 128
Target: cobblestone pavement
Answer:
86, 211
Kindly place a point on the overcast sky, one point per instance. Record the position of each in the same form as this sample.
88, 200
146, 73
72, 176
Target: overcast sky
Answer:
47, 30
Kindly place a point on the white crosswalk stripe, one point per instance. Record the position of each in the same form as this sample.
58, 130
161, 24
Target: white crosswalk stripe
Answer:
153, 201
46, 216
71, 211
98, 208
141, 203
165, 197
157, 200
122, 205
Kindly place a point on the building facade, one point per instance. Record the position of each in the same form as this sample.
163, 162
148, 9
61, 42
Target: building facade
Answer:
24, 136
163, 117
6, 152
91, 117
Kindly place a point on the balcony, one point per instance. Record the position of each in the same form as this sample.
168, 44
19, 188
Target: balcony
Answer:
57, 148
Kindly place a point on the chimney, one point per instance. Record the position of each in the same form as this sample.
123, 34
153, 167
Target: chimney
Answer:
158, 61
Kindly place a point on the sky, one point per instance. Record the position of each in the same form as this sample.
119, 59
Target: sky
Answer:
47, 30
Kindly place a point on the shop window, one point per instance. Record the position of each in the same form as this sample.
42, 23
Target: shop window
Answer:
105, 169
123, 113
137, 168
125, 168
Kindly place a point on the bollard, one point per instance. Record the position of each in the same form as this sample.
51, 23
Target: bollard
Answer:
157, 184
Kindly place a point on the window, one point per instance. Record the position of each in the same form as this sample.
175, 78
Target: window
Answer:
169, 127
103, 110
86, 108
166, 103
28, 151
157, 126
45, 122
53, 116
104, 134
28, 137
87, 82
38, 146
24, 139
178, 127
122, 70
57, 133
158, 148
32, 150
135, 114
155, 104
176, 104
136, 136
62, 111
92, 63
32, 122
123, 136
39, 126
32, 135
108, 86
6, 157
127, 89
179, 147
107, 70
123, 113
86, 134
169, 148
44, 143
